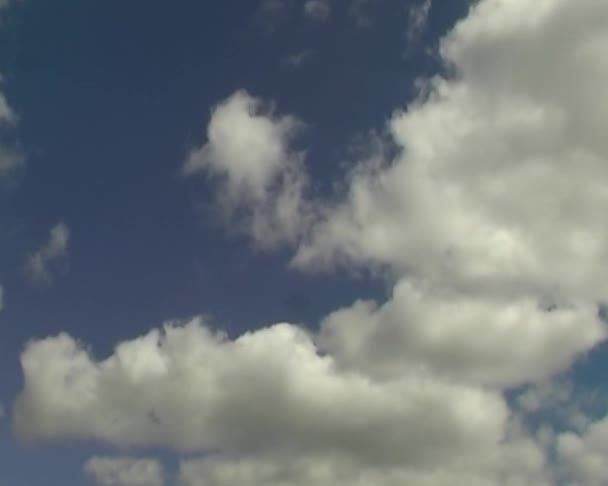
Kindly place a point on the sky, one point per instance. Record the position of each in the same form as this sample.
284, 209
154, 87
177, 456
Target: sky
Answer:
303, 243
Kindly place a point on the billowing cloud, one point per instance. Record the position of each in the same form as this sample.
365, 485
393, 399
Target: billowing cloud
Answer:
268, 396
261, 179
582, 457
56, 248
191, 389
494, 342
317, 10
122, 471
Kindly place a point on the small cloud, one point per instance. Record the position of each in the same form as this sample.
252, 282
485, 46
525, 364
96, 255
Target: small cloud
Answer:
10, 158
317, 10
1, 411
297, 59
360, 12
38, 263
417, 19
270, 13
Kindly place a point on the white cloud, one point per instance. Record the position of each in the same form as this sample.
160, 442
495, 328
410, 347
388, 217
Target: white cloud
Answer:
188, 388
56, 248
122, 471
317, 10
496, 342
494, 209
583, 458
263, 401
261, 177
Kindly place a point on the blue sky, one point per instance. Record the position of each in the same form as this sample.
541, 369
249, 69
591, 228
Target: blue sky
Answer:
413, 189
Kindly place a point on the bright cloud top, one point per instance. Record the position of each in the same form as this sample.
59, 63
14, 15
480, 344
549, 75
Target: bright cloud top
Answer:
490, 221
261, 178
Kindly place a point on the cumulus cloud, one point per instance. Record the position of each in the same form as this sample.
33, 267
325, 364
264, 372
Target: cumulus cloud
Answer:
261, 178
492, 342
489, 221
583, 458
192, 389
37, 265
263, 401
123, 471
317, 10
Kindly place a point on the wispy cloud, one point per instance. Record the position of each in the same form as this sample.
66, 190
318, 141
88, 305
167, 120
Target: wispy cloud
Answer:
37, 265
361, 12
317, 10
297, 59
417, 18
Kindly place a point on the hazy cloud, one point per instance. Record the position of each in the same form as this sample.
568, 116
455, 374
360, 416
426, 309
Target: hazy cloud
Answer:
297, 59
124, 471
317, 10
37, 265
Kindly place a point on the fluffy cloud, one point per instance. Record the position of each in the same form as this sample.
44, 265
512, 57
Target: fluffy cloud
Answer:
270, 403
583, 458
110, 471
261, 177
56, 248
494, 342
317, 10
191, 389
